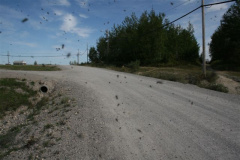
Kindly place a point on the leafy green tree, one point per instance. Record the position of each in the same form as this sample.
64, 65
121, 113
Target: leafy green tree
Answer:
224, 47
102, 49
149, 40
93, 55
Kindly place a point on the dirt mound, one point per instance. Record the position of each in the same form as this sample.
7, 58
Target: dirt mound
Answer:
233, 86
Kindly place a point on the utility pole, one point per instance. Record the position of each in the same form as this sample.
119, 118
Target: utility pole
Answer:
107, 37
78, 57
8, 58
87, 52
203, 40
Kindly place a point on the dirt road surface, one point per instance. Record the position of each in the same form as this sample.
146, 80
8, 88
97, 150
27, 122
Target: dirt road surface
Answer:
132, 117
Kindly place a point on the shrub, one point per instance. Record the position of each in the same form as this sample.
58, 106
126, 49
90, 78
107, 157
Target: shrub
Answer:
216, 87
211, 77
193, 79
134, 65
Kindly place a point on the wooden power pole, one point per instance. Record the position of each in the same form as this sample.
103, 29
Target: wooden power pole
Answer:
78, 56
203, 40
87, 52
107, 37
8, 58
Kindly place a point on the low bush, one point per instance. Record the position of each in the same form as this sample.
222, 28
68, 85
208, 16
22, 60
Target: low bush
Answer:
134, 65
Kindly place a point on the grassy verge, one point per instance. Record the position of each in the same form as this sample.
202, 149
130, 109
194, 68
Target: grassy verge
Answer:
14, 93
28, 128
184, 74
7, 141
31, 67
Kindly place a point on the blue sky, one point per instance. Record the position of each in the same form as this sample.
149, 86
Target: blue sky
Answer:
76, 23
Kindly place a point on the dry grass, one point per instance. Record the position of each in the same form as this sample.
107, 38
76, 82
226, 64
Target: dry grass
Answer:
31, 67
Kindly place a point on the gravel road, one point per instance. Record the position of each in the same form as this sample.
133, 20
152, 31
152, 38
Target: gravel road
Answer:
138, 117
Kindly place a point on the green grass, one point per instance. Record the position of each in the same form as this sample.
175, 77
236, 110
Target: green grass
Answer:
37, 108
65, 100
217, 87
47, 126
11, 99
47, 143
189, 73
7, 141
31, 67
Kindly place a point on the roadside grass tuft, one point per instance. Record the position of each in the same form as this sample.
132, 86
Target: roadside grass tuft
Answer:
47, 126
47, 143
191, 74
37, 108
65, 100
61, 123
32, 83
216, 87
31, 67
7, 141
134, 66
11, 99
31, 141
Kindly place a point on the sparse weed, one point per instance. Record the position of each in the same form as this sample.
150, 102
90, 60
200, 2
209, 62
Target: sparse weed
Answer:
216, 87
47, 143
10, 99
65, 100
61, 123
47, 126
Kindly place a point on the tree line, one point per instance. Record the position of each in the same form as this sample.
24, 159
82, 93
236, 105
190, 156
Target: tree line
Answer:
147, 39
151, 41
225, 44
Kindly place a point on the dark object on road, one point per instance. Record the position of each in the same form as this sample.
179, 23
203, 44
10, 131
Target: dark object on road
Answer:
139, 130
159, 82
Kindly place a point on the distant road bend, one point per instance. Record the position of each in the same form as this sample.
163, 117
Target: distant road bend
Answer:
143, 119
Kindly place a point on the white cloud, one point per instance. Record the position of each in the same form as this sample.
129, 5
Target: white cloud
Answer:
186, 2
217, 8
83, 32
26, 44
58, 12
83, 16
83, 3
63, 3
56, 2
70, 25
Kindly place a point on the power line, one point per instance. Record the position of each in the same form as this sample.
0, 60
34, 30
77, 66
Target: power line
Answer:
176, 6
219, 3
182, 16
197, 9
